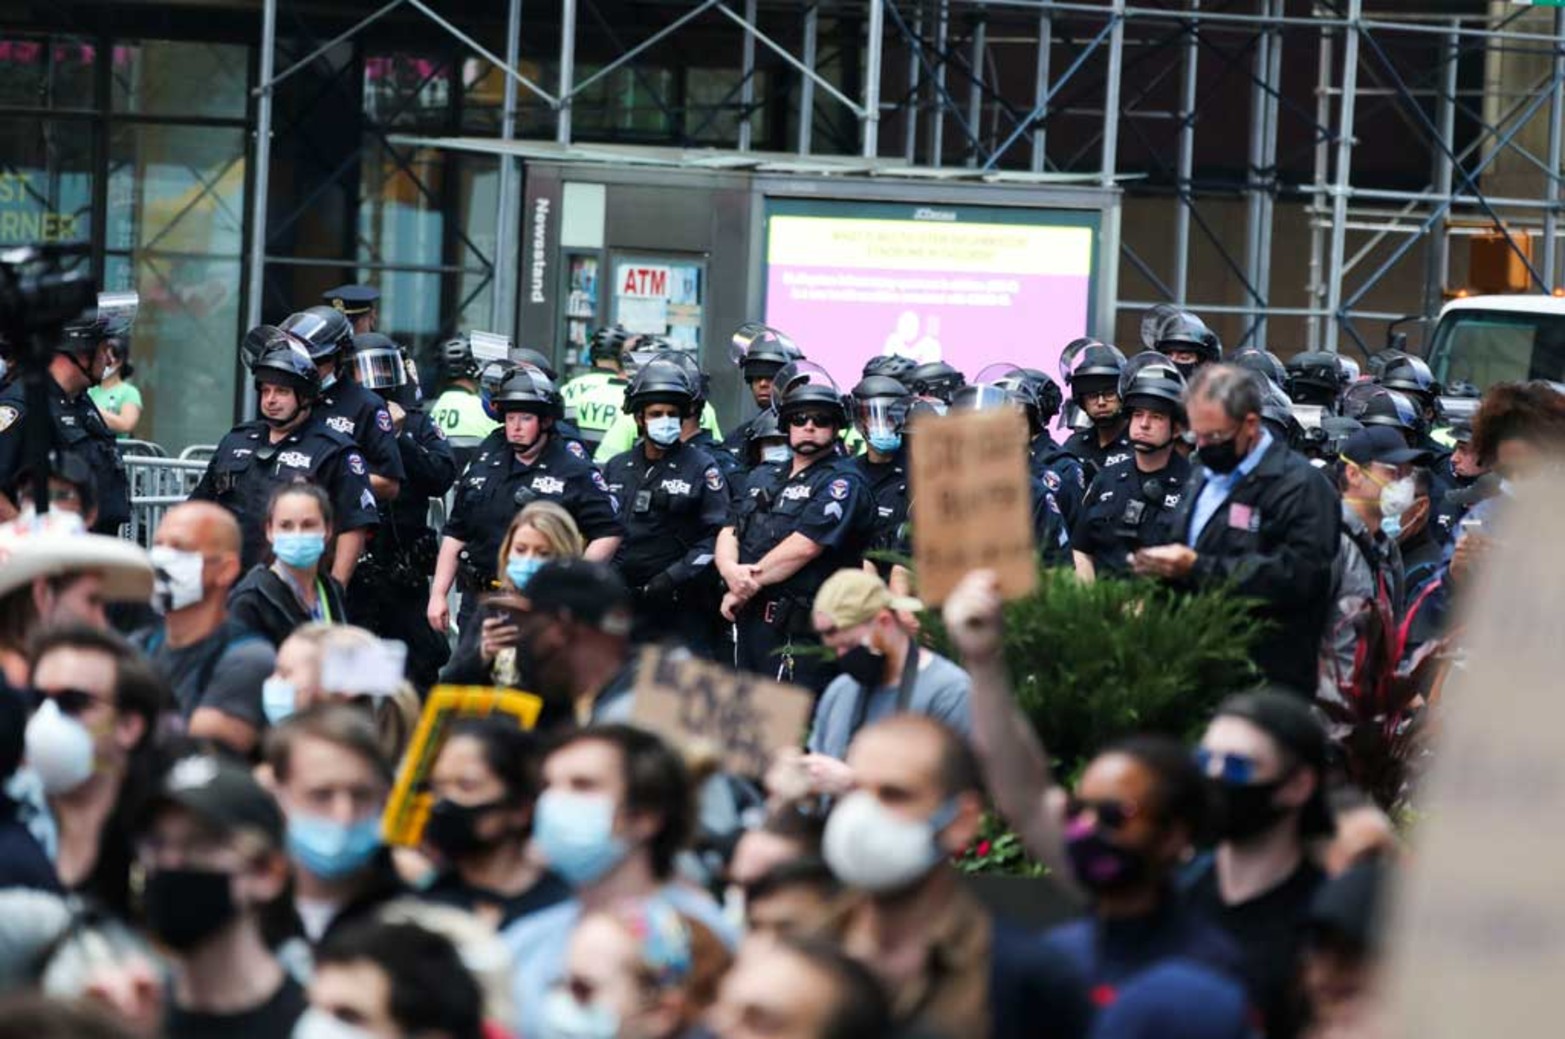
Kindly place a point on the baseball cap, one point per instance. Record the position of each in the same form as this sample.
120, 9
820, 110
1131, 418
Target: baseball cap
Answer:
56, 545
1380, 444
852, 596
1287, 718
585, 592
222, 794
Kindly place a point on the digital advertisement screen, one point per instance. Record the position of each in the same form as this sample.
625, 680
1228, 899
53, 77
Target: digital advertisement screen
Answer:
969, 285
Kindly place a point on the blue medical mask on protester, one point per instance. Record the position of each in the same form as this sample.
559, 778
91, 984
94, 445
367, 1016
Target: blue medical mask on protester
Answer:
520, 569
886, 443
663, 431
575, 832
277, 699
332, 850
303, 549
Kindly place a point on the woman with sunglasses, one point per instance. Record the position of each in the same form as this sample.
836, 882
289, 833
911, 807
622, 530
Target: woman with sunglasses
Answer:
277, 598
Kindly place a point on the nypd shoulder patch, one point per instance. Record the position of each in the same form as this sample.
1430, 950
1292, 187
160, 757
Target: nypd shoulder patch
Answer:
383, 420
599, 482
838, 489
356, 463
576, 449
714, 479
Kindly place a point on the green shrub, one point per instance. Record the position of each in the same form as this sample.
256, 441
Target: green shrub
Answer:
1091, 663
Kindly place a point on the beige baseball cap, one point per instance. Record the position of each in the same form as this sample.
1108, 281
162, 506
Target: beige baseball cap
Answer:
851, 597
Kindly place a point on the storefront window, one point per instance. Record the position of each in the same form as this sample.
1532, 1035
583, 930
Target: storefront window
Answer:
45, 180
661, 296
175, 78
49, 72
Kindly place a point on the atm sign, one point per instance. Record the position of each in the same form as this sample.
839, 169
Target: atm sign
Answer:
644, 282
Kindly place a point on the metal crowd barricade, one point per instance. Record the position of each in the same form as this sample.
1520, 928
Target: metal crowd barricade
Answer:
157, 485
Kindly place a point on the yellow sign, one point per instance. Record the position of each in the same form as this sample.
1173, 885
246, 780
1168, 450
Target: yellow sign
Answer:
406, 812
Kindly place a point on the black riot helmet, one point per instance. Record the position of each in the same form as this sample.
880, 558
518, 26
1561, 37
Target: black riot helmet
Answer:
111, 318
1264, 363
324, 331
1170, 329
700, 381
1154, 383
760, 351
1315, 377
377, 362
937, 379
526, 388
1277, 415
986, 396
527, 355
803, 385
1374, 405
891, 366
456, 359
661, 381
1094, 368
1411, 376
881, 401
1046, 392
287, 362
608, 344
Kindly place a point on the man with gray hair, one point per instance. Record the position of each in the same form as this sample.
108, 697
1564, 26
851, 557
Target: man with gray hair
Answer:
1257, 516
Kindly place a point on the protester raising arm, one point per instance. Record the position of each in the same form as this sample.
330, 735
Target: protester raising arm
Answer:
1015, 764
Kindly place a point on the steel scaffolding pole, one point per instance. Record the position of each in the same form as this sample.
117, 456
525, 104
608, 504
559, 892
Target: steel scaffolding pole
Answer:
260, 187
1263, 275
1552, 178
807, 81
1186, 160
1313, 336
747, 71
562, 125
1343, 182
975, 88
937, 118
877, 32
1255, 233
1436, 260
1040, 92
910, 117
502, 308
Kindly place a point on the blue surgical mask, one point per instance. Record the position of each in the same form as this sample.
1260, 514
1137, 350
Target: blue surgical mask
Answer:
565, 1018
331, 850
575, 832
302, 550
776, 453
663, 431
328, 381
1391, 527
277, 699
520, 569
886, 443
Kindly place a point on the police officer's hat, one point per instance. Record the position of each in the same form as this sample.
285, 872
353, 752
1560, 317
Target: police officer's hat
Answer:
1166, 327
872, 386
985, 396
456, 359
324, 331
527, 355
352, 300
1154, 384
880, 398
660, 381
527, 388
1277, 413
1410, 375
1045, 391
111, 318
286, 362
764, 426
1096, 366
1377, 406
377, 362
802, 385
608, 342
686, 361
891, 366
761, 351
937, 379
1314, 373
1262, 362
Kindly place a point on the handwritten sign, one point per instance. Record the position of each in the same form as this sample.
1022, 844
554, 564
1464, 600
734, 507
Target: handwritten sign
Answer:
402, 823
972, 502
742, 718
1478, 933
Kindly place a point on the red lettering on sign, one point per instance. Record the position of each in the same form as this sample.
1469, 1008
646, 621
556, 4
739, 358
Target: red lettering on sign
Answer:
645, 281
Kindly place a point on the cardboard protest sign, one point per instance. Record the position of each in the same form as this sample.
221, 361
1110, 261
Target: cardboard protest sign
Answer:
1478, 932
972, 502
744, 719
406, 812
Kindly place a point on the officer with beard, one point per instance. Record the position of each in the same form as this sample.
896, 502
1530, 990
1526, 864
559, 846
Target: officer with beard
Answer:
1131, 504
798, 523
1094, 382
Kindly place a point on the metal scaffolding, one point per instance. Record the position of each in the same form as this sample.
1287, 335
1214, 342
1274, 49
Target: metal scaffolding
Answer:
1344, 106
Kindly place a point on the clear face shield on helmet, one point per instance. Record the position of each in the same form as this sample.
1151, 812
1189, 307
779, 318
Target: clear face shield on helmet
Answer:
882, 420
307, 326
748, 335
379, 368
796, 375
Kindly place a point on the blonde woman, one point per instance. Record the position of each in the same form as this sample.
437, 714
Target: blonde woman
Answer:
541, 532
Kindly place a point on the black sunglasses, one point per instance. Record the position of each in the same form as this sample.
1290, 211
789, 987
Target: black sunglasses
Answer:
69, 701
805, 418
1111, 815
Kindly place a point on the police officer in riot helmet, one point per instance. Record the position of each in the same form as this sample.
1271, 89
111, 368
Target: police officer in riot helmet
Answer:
1263, 363
595, 396
1278, 417
529, 462
767, 444
1060, 471
1131, 504
1093, 376
892, 366
880, 412
1051, 534
937, 380
673, 499
695, 429
1180, 336
458, 411
760, 351
1411, 377
396, 570
344, 405
77, 363
289, 444
798, 523
1316, 378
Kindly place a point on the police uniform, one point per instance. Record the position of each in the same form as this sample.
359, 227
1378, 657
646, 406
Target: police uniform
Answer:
827, 503
402, 556
1095, 457
596, 398
1062, 472
672, 509
887, 483
737, 437
1127, 509
732, 469
459, 413
494, 487
1050, 534
78, 428
361, 416
247, 467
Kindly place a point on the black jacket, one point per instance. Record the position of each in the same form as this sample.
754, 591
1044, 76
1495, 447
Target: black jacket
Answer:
1278, 548
263, 603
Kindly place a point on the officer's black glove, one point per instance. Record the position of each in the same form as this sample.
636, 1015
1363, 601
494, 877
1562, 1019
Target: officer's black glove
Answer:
660, 587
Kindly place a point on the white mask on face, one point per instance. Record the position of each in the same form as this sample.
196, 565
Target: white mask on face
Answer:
59, 749
1396, 497
176, 581
316, 1023
663, 431
877, 851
